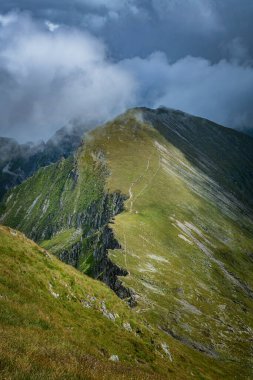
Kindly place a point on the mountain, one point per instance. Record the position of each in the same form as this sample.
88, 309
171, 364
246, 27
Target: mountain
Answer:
249, 131
57, 324
19, 161
158, 204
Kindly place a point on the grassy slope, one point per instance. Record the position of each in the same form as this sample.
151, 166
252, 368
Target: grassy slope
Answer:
48, 205
52, 324
181, 287
186, 241
47, 200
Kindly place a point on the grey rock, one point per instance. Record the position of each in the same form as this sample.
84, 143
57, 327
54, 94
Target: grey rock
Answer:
114, 358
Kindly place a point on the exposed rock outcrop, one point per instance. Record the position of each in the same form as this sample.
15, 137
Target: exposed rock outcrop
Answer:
105, 270
71, 256
99, 239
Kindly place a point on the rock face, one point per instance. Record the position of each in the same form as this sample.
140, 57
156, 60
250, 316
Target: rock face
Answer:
104, 268
71, 255
99, 240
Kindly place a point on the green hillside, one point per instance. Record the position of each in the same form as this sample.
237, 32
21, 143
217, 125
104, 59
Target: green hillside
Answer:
158, 204
56, 323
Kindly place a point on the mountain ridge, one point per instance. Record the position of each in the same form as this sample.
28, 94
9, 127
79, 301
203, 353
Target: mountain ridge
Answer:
170, 203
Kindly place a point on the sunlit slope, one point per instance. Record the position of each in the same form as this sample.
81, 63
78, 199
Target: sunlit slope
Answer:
180, 192
56, 323
186, 240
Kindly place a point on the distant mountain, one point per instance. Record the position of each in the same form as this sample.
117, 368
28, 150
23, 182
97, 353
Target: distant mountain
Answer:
249, 131
19, 161
158, 204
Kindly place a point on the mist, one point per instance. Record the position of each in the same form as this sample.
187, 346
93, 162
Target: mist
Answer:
49, 78
53, 73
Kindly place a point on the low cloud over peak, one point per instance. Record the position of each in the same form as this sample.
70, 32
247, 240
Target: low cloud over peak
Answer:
50, 78
52, 73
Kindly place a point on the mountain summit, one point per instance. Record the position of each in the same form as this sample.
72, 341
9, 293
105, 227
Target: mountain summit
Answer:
158, 204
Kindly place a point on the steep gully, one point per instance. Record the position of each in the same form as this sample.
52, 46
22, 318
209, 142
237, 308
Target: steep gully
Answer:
96, 241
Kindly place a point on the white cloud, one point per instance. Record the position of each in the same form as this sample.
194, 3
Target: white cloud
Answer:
51, 26
221, 92
47, 79
7, 19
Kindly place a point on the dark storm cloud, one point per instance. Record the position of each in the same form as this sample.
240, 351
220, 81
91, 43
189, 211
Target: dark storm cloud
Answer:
203, 28
90, 59
222, 92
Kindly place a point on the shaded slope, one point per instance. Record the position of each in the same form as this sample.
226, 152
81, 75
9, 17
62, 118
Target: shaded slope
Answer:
222, 154
184, 238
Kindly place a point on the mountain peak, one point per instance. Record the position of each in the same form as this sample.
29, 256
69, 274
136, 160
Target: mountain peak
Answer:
158, 205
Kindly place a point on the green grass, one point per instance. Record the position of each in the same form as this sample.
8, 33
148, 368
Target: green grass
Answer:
47, 330
47, 337
180, 287
62, 241
186, 239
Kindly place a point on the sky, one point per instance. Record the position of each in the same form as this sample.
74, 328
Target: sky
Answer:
89, 60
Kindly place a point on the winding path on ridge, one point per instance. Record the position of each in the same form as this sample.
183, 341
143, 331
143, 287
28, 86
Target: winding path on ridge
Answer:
133, 197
